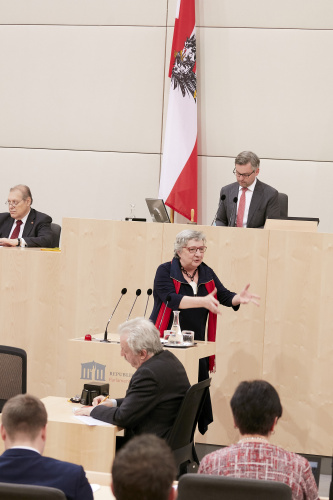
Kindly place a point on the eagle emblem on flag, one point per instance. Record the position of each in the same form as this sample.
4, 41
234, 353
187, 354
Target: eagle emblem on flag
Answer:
183, 71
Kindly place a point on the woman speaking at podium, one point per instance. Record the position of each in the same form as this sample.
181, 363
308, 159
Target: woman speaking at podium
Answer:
188, 285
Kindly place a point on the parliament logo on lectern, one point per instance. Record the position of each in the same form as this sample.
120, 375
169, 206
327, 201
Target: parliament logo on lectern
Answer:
93, 371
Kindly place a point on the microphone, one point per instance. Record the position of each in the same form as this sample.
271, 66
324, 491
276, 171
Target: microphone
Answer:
223, 197
233, 212
137, 293
124, 290
149, 292
331, 485
166, 305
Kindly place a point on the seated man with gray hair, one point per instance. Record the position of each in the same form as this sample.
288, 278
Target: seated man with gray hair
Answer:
156, 389
23, 226
248, 202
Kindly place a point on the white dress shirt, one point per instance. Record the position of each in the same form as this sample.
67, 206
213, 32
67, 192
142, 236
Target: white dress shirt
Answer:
248, 198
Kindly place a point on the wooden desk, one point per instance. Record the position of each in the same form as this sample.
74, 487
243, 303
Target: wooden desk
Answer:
95, 361
103, 479
68, 439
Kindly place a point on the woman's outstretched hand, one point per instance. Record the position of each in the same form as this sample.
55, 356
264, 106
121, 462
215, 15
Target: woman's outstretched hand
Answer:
244, 297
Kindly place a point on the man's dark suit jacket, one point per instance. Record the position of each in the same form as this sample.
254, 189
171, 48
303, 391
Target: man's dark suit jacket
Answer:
264, 205
22, 466
152, 400
37, 231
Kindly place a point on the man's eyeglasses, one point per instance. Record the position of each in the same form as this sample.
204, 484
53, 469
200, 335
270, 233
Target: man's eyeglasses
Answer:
12, 203
196, 249
237, 174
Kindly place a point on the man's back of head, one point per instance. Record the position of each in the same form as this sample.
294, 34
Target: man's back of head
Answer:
24, 420
141, 335
144, 469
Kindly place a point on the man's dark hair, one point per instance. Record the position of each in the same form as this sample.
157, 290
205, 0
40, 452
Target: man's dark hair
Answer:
144, 469
255, 406
24, 414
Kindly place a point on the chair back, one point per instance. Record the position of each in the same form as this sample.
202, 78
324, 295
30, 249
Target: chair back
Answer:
200, 486
182, 432
13, 373
28, 492
283, 202
56, 230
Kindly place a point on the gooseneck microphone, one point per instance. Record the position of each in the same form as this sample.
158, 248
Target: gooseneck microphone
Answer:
166, 305
233, 212
223, 197
124, 290
149, 292
331, 485
137, 293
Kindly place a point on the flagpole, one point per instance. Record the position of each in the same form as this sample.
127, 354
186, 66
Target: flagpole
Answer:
172, 215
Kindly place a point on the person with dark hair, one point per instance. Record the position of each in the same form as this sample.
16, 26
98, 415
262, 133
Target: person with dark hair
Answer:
247, 202
188, 285
156, 390
256, 409
144, 469
23, 430
23, 226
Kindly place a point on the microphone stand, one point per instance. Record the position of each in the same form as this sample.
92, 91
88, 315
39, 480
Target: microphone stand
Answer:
149, 292
233, 213
138, 292
166, 305
223, 197
124, 290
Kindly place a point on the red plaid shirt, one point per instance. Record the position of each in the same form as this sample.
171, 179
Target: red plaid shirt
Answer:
255, 460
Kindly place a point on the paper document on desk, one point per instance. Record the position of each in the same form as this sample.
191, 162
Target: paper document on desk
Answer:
95, 487
91, 421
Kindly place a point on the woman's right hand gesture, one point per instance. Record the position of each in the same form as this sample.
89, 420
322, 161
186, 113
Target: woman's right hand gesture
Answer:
211, 303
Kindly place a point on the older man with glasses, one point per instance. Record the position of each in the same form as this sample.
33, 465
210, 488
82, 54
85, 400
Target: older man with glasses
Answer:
23, 226
247, 202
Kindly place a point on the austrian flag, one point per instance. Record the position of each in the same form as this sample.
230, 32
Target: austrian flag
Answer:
179, 173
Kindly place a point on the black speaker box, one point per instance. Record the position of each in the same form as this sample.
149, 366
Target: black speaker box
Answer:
100, 388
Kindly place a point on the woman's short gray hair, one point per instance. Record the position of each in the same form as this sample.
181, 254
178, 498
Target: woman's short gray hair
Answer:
141, 334
184, 237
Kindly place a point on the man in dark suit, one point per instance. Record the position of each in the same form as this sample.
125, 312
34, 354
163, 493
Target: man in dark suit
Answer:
247, 202
156, 389
23, 430
23, 225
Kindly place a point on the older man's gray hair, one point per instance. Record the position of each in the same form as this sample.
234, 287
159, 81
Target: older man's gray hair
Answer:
246, 157
141, 334
184, 237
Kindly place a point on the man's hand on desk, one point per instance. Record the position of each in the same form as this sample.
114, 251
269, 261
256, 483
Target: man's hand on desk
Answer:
6, 242
100, 400
85, 410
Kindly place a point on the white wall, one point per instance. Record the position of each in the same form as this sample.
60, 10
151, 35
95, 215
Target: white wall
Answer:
83, 97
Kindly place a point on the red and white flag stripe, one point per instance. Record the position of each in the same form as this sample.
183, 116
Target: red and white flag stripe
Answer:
178, 182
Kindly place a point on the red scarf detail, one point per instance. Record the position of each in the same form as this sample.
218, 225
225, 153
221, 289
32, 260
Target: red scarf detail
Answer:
165, 313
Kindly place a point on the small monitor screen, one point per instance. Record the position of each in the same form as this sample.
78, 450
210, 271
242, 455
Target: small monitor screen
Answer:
157, 210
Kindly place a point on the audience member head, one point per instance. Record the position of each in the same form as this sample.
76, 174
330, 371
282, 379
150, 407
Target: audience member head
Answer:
19, 201
184, 237
144, 469
139, 341
256, 407
24, 420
